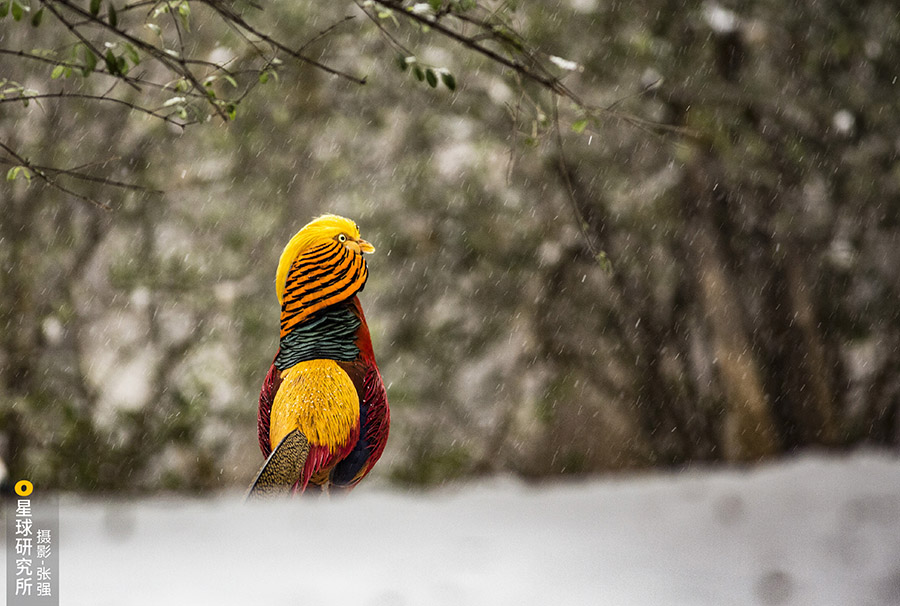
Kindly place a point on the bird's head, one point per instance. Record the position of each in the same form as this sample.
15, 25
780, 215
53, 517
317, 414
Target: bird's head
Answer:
319, 230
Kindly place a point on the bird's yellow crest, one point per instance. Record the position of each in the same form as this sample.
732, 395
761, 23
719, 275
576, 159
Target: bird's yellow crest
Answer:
320, 229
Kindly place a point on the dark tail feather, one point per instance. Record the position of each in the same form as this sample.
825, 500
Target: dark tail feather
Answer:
283, 467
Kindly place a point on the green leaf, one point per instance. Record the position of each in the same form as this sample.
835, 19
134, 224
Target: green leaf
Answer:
579, 125
603, 260
17, 10
57, 72
448, 80
95, 7
184, 12
112, 17
402, 65
435, 5
15, 171
90, 61
132, 53
112, 62
431, 77
418, 73
36, 18
231, 109
230, 80
263, 77
4, 9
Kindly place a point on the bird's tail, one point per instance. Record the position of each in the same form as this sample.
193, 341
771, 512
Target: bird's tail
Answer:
283, 468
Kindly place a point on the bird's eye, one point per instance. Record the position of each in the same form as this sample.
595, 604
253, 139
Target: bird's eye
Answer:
342, 238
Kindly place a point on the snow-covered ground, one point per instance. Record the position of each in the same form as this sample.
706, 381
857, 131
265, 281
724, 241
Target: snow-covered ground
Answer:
810, 531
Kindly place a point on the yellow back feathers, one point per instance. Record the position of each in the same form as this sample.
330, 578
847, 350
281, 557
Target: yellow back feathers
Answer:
319, 230
318, 398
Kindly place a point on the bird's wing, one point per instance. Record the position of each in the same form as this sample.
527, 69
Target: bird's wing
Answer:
266, 398
374, 420
283, 468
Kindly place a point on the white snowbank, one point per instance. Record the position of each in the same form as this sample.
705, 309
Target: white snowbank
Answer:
812, 531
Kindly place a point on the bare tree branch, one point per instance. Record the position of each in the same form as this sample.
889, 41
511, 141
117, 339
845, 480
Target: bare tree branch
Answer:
49, 5
232, 17
40, 174
325, 32
531, 70
158, 54
66, 95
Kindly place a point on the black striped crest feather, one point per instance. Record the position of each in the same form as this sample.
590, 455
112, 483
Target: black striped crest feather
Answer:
321, 276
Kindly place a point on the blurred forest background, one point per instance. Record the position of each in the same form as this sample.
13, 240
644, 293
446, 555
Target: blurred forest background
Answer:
744, 306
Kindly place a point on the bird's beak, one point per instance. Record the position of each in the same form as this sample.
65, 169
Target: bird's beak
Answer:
365, 246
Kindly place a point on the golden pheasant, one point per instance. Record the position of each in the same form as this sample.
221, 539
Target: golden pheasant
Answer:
323, 414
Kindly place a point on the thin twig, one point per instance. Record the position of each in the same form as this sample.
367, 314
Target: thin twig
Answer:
76, 174
139, 4
137, 80
102, 180
233, 17
596, 253
51, 182
399, 46
324, 33
180, 39
24, 55
65, 95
